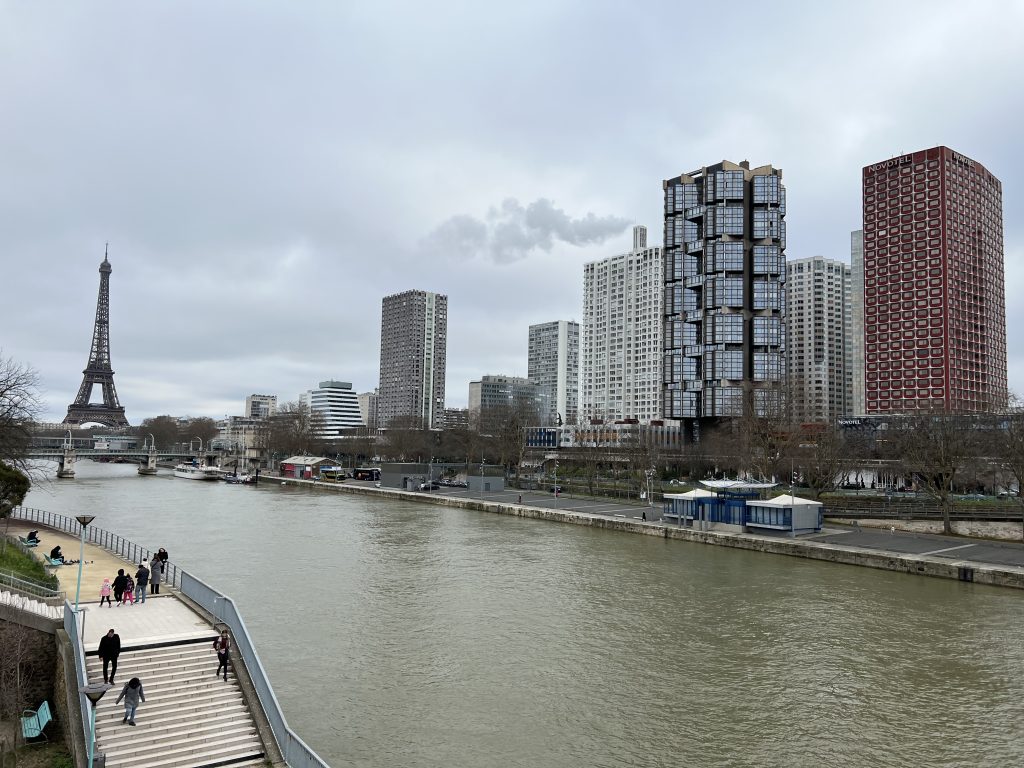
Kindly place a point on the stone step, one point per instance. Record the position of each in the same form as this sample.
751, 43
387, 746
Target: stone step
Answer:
197, 669
162, 688
162, 651
140, 737
202, 751
165, 716
186, 701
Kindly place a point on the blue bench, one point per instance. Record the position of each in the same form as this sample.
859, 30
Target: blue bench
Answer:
29, 542
49, 561
33, 723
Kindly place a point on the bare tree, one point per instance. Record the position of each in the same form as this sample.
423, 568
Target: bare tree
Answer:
293, 430
164, 429
19, 409
590, 452
508, 425
405, 440
767, 433
934, 446
823, 458
642, 452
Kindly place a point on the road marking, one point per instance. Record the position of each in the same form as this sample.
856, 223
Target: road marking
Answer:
947, 549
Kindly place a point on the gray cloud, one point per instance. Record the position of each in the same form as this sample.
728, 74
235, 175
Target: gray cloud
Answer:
511, 231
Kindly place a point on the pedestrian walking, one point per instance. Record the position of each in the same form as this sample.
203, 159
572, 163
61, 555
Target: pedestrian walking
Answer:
105, 590
520, 499
141, 581
222, 645
129, 590
109, 650
120, 585
132, 694
156, 572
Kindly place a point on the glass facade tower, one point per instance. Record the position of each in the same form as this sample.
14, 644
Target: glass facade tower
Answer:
724, 278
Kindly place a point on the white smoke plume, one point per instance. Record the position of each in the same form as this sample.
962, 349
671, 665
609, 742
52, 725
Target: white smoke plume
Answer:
510, 232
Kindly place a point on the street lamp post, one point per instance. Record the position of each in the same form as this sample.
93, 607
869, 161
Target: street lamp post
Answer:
94, 692
650, 481
482, 463
555, 489
83, 520
430, 475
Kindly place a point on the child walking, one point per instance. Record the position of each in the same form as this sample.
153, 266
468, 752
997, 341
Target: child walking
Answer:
129, 590
105, 594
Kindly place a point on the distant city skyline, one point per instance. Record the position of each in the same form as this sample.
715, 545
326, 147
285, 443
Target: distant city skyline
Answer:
254, 237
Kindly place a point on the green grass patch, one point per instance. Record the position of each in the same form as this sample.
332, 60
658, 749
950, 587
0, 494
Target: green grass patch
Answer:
25, 566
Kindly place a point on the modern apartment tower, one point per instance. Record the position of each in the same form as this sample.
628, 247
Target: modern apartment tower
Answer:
336, 403
725, 273
620, 337
554, 366
819, 353
934, 302
856, 330
368, 408
413, 344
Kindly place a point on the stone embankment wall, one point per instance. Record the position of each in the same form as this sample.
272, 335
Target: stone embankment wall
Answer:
1002, 576
980, 529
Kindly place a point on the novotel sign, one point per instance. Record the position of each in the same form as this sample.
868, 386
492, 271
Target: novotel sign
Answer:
896, 162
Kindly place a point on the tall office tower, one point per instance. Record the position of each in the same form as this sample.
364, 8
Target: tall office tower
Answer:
725, 272
413, 343
934, 303
554, 366
818, 350
337, 404
497, 394
260, 406
620, 336
856, 331
368, 408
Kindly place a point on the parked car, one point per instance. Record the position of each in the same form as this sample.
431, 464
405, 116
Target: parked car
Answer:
555, 489
433, 485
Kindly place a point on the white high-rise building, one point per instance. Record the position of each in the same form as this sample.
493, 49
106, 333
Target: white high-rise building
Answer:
260, 406
620, 336
337, 403
819, 357
554, 366
368, 408
856, 331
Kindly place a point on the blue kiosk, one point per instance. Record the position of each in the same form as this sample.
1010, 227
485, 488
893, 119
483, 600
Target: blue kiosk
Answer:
735, 506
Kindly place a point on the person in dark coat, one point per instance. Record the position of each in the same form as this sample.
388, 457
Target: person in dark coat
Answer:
56, 554
156, 570
120, 583
141, 581
132, 695
110, 649
222, 645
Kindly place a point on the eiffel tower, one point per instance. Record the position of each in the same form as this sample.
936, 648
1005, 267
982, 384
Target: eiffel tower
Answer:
109, 413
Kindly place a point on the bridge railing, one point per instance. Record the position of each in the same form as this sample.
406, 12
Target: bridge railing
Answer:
295, 751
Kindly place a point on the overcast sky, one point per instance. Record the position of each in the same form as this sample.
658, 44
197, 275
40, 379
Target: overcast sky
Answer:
266, 173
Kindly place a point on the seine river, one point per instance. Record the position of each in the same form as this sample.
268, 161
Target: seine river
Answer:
418, 635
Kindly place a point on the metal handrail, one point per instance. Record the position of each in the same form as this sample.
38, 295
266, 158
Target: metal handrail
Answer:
31, 588
74, 634
295, 751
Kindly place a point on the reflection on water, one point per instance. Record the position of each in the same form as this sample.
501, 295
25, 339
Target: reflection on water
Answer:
409, 635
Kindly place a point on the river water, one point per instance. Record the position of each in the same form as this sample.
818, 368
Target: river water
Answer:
400, 634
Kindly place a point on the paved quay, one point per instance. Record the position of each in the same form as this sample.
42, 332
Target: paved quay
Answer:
955, 557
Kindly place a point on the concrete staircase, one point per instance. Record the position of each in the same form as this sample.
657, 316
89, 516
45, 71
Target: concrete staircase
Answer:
190, 719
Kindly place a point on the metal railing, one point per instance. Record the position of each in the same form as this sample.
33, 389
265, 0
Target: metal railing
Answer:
118, 545
74, 632
12, 583
295, 751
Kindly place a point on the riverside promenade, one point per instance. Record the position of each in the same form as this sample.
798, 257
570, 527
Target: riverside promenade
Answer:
191, 718
996, 563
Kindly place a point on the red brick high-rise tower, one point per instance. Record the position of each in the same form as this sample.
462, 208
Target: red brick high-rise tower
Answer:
934, 301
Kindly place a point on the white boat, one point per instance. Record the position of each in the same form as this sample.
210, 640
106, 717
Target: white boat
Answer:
197, 472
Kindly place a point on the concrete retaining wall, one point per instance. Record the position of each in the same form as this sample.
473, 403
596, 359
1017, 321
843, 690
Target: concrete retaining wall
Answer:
995, 575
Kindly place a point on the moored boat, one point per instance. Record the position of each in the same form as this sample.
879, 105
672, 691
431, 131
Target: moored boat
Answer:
197, 472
